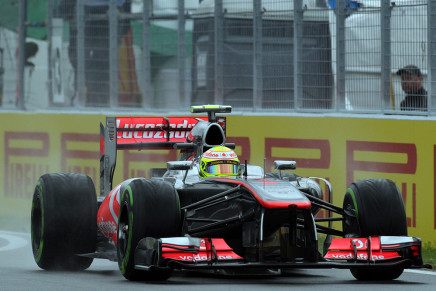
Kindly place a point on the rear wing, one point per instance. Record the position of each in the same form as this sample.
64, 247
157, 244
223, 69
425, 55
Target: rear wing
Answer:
152, 132
138, 133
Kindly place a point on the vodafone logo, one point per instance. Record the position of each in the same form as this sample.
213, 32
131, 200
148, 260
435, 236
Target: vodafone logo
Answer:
361, 256
203, 258
360, 244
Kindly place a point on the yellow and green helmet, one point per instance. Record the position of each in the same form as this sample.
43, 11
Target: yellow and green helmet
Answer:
219, 161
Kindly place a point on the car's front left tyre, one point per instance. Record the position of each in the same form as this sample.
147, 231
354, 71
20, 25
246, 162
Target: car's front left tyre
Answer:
148, 208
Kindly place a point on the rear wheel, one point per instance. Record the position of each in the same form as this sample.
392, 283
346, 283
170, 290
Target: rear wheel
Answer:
374, 207
63, 221
149, 208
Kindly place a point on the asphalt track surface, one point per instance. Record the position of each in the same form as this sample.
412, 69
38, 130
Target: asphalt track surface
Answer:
18, 271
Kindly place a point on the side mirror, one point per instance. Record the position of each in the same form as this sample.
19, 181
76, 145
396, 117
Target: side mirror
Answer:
179, 165
284, 165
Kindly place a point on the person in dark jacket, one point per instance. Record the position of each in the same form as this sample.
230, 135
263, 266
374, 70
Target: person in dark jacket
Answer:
416, 95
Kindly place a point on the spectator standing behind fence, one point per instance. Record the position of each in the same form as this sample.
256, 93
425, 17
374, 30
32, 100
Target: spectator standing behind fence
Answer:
411, 82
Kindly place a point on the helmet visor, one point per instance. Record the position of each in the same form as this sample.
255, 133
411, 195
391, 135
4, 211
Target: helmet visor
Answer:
223, 168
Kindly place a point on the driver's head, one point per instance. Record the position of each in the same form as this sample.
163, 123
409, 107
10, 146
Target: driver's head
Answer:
411, 79
219, 161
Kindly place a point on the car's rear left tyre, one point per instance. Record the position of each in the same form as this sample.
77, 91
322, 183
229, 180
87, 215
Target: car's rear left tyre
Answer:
63, 221
149, 208
374, 207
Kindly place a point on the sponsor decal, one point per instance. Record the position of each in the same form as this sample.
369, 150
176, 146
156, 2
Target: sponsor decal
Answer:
343, 249
220, 155
204, 257
224, 252
346, 244
107, 216
201, 256
361, 256
75, 156
154, 129
108, 228
359, 244
26, 158
359, 155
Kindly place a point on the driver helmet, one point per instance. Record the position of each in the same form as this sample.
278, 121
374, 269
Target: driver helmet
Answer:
219, 161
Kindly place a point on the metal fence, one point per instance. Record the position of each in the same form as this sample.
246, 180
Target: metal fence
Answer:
256, 55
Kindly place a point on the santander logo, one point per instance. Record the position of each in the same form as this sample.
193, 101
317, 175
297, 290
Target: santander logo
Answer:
106, 227
220, 155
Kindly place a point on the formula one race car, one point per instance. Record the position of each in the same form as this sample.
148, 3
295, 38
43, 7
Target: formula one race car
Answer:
208, 212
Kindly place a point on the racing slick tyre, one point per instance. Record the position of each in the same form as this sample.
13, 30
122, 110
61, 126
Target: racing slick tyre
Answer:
374, 207
63, 221
148, 208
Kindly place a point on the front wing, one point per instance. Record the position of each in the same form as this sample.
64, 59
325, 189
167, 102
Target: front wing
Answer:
343, 253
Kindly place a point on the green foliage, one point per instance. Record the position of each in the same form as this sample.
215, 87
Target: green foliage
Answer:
429, 254
36, 12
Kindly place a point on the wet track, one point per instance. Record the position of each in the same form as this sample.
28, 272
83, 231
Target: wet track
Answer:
18, 271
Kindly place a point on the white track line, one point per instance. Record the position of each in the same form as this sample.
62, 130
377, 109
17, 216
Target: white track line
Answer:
421, 272
14, 232
14, 241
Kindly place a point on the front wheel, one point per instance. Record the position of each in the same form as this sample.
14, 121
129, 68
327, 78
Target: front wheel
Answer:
374, 207
149, 208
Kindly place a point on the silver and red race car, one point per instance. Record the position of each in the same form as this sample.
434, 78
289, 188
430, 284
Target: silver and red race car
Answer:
256, 222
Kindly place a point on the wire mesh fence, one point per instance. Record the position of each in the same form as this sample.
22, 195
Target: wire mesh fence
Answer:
363, 56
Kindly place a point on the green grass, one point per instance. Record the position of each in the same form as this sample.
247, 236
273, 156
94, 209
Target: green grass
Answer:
429, 254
